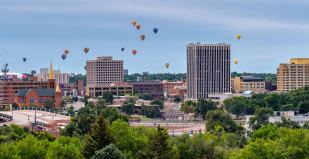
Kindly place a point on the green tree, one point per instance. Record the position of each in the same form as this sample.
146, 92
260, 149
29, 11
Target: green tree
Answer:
128, 108
128, 140
261, 117
237, 105
159, 145
158, 102
188, 106
98, 137
71, 111
108, 97
109, 152
288, 123
65, 148
223, 119
150, 111
49, 103
31, 148
203, 106
303, 107
112, 115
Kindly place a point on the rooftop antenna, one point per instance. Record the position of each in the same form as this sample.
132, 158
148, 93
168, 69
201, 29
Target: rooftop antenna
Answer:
5, 70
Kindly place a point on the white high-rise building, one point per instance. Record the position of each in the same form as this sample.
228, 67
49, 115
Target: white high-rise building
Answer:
208, 69
60, 78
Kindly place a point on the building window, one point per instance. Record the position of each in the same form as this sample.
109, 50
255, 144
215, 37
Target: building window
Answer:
42, 100
31, 100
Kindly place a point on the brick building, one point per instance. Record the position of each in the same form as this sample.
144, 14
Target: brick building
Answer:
153, 88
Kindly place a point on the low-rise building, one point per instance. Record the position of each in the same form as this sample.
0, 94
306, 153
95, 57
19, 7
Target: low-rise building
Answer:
153, 88
38, 97
116, 88
290, 115
249, 83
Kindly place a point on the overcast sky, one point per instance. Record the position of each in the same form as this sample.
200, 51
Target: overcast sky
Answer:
272, 32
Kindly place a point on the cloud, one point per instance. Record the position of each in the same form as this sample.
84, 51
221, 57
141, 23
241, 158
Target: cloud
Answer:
196, 13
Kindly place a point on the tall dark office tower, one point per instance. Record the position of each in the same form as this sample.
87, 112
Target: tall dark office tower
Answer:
208, 69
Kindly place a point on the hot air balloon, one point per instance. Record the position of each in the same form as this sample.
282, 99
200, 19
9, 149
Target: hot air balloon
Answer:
24, 76
134, 23
85, 68
24, 59
66, 51
134, 52
238, 36
235, 61
86, 50
122, 49
143, 37
138, 26
63, 56
167, 65
155, 30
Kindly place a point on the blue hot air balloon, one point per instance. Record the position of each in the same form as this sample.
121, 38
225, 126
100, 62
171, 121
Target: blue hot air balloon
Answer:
155, 30
122, 49
24, 59
63, 56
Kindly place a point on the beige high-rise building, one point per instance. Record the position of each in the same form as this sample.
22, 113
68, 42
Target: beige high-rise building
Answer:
293, 75
208, 69
104, 71
248, 83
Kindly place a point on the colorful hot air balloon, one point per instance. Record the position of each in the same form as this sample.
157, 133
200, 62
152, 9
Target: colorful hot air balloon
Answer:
63, 56
143, 37
24, 76
138, 26
86, 50
134, 52
235, 61
66, 51
238, 36
134, 23
122, 49
155, 30
24, 59
167, 65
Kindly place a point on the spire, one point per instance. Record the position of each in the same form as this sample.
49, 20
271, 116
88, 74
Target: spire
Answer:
51, 72
58, 90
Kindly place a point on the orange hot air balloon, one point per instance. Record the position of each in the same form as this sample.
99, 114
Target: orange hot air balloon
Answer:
167, 65
66, 51
134, 23
86, 50
143, 37
238, 36
134, 52
138, 27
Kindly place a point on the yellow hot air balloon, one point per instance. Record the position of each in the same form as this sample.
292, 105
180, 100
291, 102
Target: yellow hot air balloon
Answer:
143, 37
238, 36
235, 61
167, 65
134, 22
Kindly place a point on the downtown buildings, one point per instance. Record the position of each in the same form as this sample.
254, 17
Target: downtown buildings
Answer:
106, 75
208, 69
61, 78
293, 75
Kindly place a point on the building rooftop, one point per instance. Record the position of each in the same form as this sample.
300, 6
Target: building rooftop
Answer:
299, 61
40, 91
251, 79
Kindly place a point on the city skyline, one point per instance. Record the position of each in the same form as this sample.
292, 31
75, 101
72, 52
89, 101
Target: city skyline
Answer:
42, 30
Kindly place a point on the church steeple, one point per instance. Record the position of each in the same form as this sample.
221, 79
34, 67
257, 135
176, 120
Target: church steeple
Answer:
51, 72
